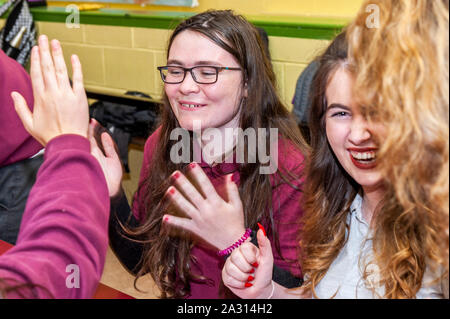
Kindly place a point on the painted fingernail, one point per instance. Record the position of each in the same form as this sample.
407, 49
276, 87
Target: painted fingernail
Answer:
192, 165
247, 284
251, 271
176, 175
255, 264
234, 178
262, 228
250, 278
166, 219
171, 190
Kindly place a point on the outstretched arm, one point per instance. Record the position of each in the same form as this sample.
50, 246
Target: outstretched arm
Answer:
61, 248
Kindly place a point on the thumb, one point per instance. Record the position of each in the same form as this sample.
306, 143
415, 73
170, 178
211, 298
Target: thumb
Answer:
265, 248
233, 192
23, 111
108, 145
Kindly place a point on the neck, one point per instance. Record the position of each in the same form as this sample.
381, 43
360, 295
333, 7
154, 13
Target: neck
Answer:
371, 198
218, 143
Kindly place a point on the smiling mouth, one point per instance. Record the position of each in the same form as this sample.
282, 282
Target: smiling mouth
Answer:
191, 106
363, 159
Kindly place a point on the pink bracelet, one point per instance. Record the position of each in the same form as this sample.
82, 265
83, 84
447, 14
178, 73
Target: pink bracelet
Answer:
228, 250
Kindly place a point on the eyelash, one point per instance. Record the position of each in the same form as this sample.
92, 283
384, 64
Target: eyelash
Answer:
340, 114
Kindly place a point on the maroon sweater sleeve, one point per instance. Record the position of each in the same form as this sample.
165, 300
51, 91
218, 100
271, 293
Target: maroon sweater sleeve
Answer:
63, 232
287, 208
15, 142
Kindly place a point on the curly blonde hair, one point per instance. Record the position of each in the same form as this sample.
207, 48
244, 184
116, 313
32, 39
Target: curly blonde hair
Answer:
402, 80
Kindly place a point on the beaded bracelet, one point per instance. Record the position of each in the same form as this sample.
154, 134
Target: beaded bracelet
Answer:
228, 250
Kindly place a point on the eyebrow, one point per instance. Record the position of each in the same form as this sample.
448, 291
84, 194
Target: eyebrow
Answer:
177, 62
338, 106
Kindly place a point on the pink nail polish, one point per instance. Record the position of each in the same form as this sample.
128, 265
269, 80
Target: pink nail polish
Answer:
262, 228
247, 284
172, 191
192, 165
166, 219
176, 175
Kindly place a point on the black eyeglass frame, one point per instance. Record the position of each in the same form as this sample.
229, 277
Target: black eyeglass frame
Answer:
217, 68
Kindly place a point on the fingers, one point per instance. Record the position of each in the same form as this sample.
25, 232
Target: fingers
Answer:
239, 272
37, 81
181, 202
189, 190
207, 188
47, 66
245, 257
108, 146
60, 66
233, 192
77, 76
23, 111
180, 222
91, 128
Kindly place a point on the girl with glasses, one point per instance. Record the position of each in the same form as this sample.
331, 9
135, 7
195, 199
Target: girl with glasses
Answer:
217, 77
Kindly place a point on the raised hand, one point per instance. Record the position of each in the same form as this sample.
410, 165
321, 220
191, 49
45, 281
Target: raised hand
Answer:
108, 158
248, 270
58, 107
219, 221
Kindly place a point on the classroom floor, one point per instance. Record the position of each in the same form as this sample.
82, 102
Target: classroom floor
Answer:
114, 274
117, 277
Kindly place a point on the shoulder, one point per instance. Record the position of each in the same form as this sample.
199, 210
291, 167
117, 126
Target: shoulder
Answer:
290, 156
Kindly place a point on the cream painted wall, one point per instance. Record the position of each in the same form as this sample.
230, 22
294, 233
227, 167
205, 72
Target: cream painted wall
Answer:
127, 61
329, 8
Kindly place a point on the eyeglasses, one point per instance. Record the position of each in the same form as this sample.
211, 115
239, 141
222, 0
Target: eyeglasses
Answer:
200, 74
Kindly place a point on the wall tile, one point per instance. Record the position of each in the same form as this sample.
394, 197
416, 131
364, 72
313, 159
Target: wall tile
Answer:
295, 50
61, 32
156, 39
92, 61
129, 69
292, 72
108, 35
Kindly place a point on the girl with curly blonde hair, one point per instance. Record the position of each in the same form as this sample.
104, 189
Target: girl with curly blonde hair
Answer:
376, 191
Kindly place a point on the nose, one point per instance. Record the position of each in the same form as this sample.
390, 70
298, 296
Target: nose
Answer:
359, 131
189, 85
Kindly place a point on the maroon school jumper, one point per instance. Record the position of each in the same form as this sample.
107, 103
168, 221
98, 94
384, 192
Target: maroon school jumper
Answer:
64, 224
286, 212
15, 142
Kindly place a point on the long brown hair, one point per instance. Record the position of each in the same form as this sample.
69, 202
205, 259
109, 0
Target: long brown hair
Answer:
167, 258
329, 190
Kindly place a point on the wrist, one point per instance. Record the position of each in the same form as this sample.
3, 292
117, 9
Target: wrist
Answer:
268, 291
243, 237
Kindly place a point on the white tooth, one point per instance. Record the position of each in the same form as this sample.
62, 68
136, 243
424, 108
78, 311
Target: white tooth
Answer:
364, 156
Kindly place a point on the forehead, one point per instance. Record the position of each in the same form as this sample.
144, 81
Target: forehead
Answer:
190, 48
340, 87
